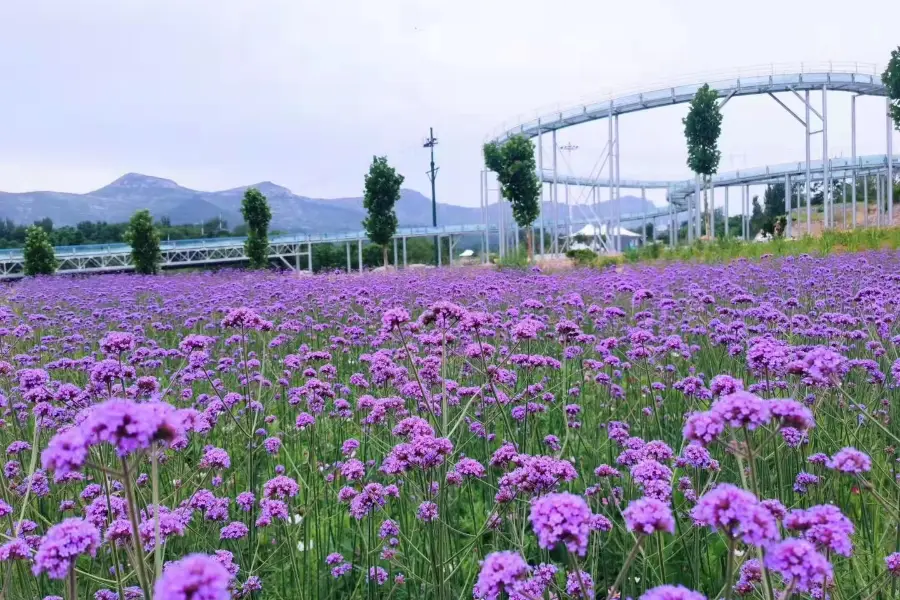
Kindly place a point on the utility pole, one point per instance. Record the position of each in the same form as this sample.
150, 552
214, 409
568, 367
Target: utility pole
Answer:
431, 142
568, 149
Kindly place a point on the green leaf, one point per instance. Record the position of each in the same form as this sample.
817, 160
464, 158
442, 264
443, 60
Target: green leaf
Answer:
382, 190
258, 215
702, 128
38, 252
144, 240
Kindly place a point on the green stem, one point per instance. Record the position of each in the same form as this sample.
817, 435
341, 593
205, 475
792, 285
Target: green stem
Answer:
729, 569
72, 584
662, 562
135, 531
157, 545
628, 560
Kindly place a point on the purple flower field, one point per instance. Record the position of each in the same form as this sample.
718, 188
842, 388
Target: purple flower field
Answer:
657, 433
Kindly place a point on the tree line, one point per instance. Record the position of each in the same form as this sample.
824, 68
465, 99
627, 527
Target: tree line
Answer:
13, 235
382, 190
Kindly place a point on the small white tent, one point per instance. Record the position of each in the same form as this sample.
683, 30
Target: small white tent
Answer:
591, 230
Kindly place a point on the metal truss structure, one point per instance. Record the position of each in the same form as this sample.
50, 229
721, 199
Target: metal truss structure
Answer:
789, 82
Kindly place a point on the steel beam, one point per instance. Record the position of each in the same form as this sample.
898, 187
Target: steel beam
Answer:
555, 204
787, 203
787, 108
540, 174
890, 165
853, 152
618, 207
727, 216
726, 99
805, 101
865, 200
612, 169
826, 190
808, 175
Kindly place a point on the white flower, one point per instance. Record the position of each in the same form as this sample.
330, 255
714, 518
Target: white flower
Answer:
296, 519
302, 548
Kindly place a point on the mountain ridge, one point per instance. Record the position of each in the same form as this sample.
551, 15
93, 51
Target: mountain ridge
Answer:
118, 200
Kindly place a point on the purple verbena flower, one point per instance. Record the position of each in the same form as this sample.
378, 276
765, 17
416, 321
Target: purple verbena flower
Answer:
647, 516
195, 577
62, 546
851, 461
561, 517
501, 572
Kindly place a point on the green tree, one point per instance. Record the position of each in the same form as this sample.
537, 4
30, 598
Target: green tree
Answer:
256, 212
513, 162
144, 240
891, 80
758, 220
39, 257
46, 224
702, 127
773, 200
382, 190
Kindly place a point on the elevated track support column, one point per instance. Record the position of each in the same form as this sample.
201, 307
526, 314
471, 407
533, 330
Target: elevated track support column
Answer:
618, 206
853, 153
890, 166
787, 203
555, 203
827, 197
727, 216
865, 200
808, 175
540, 149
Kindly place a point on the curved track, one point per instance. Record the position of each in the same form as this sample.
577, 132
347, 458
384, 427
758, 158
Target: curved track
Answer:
786, 80
837, 77
679, 188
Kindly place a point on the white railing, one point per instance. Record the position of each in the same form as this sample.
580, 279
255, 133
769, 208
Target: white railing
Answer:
847, 67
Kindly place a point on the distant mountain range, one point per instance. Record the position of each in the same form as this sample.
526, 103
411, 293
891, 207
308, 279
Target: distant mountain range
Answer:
117, 201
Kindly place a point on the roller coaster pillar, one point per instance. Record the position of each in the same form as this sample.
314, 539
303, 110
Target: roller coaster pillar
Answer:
826, 181
865, 200
853, 153
555, 203
726, 211
787, 203
618, 206
890, 164
808, 174
540, 145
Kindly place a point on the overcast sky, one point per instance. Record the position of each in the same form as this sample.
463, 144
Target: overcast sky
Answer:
220, 93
